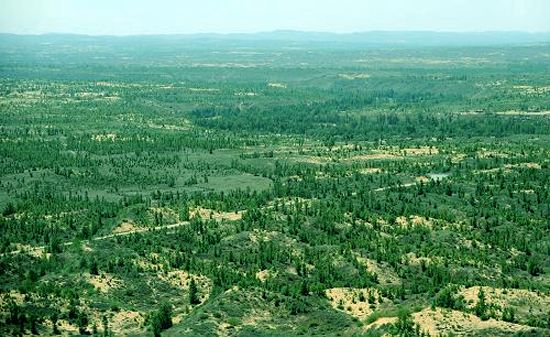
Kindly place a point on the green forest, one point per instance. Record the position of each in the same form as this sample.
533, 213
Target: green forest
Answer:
186, 187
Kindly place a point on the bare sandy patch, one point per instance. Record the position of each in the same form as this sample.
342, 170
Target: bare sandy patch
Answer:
506, 297
38, 252
380, 322
414, 260
206, 213
186, 126
125, 227
353, 301
249, 93
530, 89
422, 179
414, 220
127, 322
373, 156
386, 274
181, 279
440, 321
277, 85
111, 137
421, 151
354, 76
523, 113
264, 275
67, 327
203, 89
103, 282
370, 170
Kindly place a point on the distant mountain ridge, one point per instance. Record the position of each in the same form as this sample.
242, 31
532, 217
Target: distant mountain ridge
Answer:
391, 38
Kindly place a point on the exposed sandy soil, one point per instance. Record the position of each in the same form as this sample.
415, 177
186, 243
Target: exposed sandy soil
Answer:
38, 252
105, 137
103, 282
354, 76
168, 214
15, 295
414, 220
277, 85
381, 321
206, 213
204, 89
126, 322
125, 227
181, 279
414, 260
529, 89
422, 179
523, 113
373, 156
421, 151
507, 297
441, 321
509, 167
264, 275
67, 327
370, 170
347, 300
386, 274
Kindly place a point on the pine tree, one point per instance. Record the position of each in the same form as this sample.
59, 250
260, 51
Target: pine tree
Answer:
193, 292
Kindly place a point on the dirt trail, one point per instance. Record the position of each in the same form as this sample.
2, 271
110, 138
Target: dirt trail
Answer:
39, 249
104, 237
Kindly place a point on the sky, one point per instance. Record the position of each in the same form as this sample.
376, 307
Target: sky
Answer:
130, 17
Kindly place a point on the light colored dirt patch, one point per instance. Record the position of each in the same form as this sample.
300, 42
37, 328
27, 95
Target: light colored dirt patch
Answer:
380, 322
15, 296
373, 156
86, 248
125, 227
506, 297
151, 265
168, 214
523, 113
264, 275
105, 137
386, 274
442, 321
103, 282
241, 93
181, 279
277, 85
314, 159
421, 151
37, 252
531, 165
370, 170
354, 76
413, 260
206, 213
529, 89
348, 301
185, 127
67, 327
414, 220
126, 322
422, 179
256, 316
509, 167
204, 89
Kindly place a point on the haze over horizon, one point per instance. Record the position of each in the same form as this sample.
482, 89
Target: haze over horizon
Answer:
126, 17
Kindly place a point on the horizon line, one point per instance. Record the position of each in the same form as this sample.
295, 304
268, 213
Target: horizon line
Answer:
284, 31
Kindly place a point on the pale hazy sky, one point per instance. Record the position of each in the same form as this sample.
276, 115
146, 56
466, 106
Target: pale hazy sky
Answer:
123, 17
